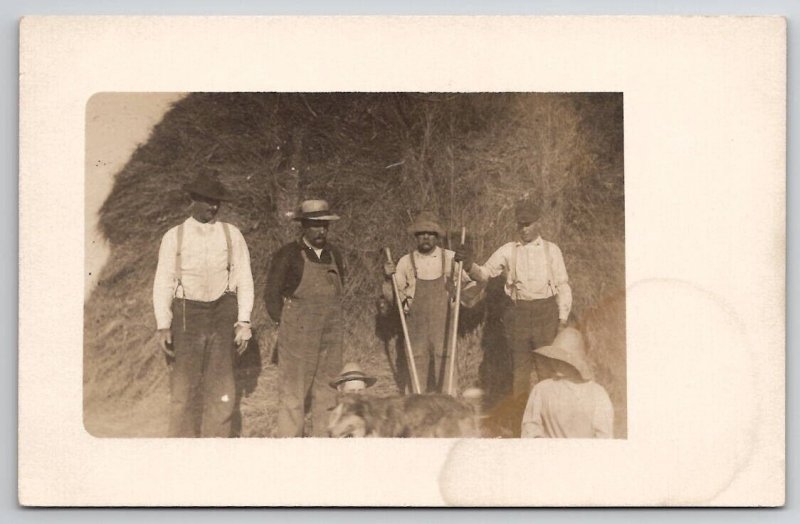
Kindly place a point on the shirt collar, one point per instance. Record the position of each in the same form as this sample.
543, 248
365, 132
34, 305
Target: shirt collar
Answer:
535, 242
197, 224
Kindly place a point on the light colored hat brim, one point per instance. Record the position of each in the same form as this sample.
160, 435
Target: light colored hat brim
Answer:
369, 381
573, 357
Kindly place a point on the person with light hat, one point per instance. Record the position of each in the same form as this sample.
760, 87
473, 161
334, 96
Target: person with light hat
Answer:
304, 299
352, 379
538, 291
570, 404
424, 281
202, 299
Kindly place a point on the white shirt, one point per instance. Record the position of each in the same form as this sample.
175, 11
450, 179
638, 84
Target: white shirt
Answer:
204, 274
532, 274
429, 267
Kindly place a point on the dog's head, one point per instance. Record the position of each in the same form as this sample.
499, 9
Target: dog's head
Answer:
348, 418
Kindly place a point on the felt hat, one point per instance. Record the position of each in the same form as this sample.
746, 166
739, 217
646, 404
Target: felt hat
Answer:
352, 371
527, 212
426, 222
314, 210
207, 185
570, 348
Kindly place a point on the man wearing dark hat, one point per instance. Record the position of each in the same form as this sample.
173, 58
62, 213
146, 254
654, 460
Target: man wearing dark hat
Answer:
304, 297
424, 281
202, 297
537, 287
570, 404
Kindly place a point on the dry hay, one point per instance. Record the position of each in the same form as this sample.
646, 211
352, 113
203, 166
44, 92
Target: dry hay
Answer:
378, 159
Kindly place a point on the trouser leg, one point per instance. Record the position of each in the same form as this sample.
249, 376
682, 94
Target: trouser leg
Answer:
219, 387
544, 328
186, 377
292, 372
418, 335
328, 368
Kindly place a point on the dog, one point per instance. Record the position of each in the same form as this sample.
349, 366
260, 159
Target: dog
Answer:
412, 416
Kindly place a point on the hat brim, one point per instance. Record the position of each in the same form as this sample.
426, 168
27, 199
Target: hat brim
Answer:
189, 188
556, 353
426, 227
369, 381
322, 218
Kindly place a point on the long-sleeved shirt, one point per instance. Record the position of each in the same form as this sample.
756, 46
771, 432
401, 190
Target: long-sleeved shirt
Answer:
532, 280
286, 271
429, 267
561, 408
204, 273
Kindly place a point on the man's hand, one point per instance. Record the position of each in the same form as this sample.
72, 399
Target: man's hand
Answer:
389, 268
164, 338
242, 335
464, 254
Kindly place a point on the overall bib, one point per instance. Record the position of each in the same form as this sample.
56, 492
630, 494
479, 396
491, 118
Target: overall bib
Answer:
427, 328
310, 342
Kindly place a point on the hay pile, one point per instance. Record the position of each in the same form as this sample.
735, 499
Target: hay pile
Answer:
378, 159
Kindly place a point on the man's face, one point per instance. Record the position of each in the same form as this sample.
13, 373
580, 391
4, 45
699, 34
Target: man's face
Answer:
528, 231
204, 209
353, 386
316, 232
426, 241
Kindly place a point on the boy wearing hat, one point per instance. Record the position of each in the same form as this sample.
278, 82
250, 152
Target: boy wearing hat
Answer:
352, 379
424, 281
304, 298
537, 287
202, 299
570, 404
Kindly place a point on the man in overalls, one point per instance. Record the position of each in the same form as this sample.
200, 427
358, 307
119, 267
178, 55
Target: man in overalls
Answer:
537, 286
202, 298
304, 298
424, 281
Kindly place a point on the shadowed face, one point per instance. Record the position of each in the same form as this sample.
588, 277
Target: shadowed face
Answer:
426, 241
352, 386
204, 209
528, 231
316, 232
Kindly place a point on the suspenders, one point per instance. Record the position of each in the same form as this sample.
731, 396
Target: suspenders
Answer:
512, 270
179, 273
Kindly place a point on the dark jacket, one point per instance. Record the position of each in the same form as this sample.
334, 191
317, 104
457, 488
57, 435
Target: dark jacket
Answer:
286, 271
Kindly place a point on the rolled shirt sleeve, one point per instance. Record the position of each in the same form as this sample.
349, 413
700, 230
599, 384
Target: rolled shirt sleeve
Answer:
164, 282
561, 283
493, 267
244, 276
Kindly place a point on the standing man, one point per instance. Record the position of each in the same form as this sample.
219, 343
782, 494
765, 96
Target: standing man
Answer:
424, 281
202, 297
538, 288
304, 297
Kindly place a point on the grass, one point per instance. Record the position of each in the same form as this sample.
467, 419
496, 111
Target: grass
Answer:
378, 159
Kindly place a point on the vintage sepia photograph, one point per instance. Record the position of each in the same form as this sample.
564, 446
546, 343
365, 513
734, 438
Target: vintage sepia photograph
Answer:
400, 264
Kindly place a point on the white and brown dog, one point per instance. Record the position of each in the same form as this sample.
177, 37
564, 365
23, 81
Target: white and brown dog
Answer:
406, 416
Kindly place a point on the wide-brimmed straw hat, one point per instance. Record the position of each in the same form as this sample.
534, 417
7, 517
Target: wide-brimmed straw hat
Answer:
207, 185
569, 347
314, 210
352, 371
426, 222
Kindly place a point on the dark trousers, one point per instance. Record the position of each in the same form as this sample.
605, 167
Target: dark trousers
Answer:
202, 386
528, 324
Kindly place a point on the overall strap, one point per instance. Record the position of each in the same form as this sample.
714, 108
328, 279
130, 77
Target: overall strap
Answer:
413, 264
178, 273
550, 281
512, 271
227, 231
